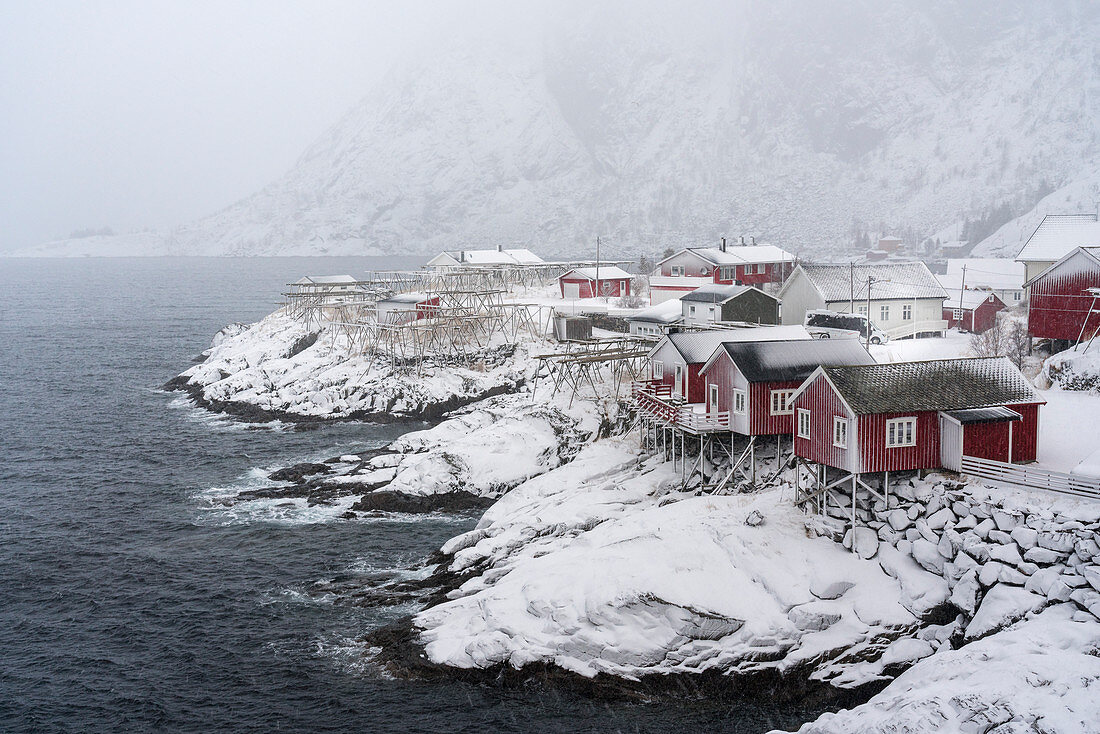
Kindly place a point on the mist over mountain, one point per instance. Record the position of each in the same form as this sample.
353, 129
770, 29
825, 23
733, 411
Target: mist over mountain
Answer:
651, 127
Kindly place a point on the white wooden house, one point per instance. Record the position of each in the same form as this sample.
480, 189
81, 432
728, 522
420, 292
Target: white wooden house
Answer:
905, 298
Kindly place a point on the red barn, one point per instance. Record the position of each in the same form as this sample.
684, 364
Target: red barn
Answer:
753, 381
973, 311
916, 415
675, 361
1059, 302
582, 282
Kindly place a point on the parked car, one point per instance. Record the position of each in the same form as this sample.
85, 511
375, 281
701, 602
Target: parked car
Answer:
836, 325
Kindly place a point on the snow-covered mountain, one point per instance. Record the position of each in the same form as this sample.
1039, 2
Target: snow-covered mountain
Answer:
653, 127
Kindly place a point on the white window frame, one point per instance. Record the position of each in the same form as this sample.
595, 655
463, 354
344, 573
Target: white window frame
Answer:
691, 310
784, 402
907, 312
803, 423
1017, 295
840, 432
728, 272
861, 310
712, 394
884, 312
901, 432
957, 314
740, 401
658, 370
676, 271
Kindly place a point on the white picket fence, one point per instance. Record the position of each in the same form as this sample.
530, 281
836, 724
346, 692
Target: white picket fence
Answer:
1031, 476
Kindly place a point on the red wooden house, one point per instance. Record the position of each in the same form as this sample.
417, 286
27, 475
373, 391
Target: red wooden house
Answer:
743, 264
753, 381
675, 361
605, 281
971, 310
1059, 301
916, 415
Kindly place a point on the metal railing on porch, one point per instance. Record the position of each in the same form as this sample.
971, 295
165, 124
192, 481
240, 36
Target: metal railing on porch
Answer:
1031, 476
655, 400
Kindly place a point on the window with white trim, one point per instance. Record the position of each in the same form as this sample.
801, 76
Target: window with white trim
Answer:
906, 313
803, 423
658, 370
840, 432
714, 398
957, 314
691, 310
901, 432
1017, 295
781, 400
861, 310
676, 270
884, 313
727, 272
739, 401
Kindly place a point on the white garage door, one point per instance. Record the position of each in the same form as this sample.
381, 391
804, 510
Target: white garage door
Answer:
572, 290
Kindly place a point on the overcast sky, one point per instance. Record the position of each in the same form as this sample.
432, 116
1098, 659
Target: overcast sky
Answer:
153, 113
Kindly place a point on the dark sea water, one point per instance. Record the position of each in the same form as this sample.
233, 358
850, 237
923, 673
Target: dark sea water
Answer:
130, 602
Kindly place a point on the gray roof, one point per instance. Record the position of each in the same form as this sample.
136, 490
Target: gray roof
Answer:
742, 254
997, 414
892, 281
1058, 234
940, 384
718, 293
793, 360
697, 347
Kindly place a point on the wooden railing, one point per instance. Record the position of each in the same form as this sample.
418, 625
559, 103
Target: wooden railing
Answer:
1031, 476
654, 400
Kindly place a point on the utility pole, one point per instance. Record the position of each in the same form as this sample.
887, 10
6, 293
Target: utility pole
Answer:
867, 333
962, 287
597, 265
851, 287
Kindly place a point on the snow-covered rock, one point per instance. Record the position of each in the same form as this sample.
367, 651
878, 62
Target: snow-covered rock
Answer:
1038, 676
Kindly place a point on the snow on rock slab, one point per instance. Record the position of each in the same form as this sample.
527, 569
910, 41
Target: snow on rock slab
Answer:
599, 567
279, 369
1001, 606
1038, 676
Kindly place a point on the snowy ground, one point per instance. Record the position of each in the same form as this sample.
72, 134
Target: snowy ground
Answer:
955, 344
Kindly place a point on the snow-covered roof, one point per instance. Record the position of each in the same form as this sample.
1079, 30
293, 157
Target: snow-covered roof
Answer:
970, 299
995, 273
668, 312
607, 272
939, 384
1059, 234
786, 361
718, 293
892, 281
1090, 252
405, 298
487, 257
743, 254
697, 346
326, 280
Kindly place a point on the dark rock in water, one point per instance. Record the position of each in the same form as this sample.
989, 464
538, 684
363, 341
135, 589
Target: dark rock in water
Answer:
400, 502
299, 471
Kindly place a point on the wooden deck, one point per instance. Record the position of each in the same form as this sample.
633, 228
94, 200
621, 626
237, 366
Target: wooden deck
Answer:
654, 401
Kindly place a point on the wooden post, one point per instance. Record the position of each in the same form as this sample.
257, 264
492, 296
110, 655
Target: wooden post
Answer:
1010, 442
854, 477
752, 458
886, 489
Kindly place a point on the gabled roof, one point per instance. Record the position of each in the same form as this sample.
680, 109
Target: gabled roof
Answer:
995, 273
720, 293
970, 299
326, 280
486, 257
406, 298
607, 272
786, 361
668, 312
892, 281
1092, 252
940, 384
697, 346
739, 255
1058, 234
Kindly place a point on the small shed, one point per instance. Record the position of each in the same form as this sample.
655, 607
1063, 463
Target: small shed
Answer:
916, 415
1061, 305
326, 284
656, 320
404, 308
572, 328
604, 281
731, 303
971, 310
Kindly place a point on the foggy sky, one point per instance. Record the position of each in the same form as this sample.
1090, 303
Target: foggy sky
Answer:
153, 113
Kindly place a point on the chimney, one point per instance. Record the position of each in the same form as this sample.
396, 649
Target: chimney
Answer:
741, 240
723, 247
500, 248
462, 256
753, 239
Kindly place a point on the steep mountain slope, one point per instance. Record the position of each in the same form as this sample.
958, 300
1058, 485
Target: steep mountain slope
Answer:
789, 120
